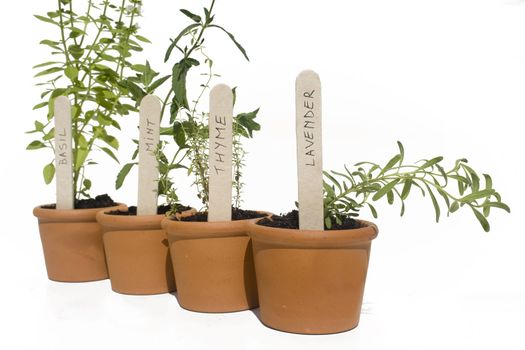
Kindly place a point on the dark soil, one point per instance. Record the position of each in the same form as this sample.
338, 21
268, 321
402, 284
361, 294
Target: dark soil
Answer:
161, 210
102, 201
237, 214
291, 220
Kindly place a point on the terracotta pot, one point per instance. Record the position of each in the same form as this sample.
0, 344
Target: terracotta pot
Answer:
311, 282
213, 265
137, 254
72, 243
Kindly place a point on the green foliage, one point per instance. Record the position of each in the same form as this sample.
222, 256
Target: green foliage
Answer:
91, 65
347, 192
187, 127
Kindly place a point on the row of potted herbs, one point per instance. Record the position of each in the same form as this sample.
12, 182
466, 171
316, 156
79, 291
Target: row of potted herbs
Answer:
305, 269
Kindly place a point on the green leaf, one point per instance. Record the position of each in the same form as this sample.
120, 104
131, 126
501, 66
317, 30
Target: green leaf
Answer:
45, 19
434, 202
373, 210
390, 164
75, 51
488, 181
48, 71
406, 189
234, 40
143, 39
35, 145
193, 16
454, 207
176, 40
178, 82
246, 120
40, 105
401, 152
430, 162
109, 153
482, 220
136, 91
72, 73
179, 135
387, 188
477, 195
46, 64
122, 174
497, 205
81, 152
157, 83
328, 222
87, 184
334, 181
49, 173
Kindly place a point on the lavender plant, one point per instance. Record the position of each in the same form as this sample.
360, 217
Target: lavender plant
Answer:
348, 191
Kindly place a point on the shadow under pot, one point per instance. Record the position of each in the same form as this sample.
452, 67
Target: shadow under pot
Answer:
213, 264
72, 243
137, 253
311, 282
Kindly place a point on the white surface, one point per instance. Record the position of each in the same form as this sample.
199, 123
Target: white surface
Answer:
445, 77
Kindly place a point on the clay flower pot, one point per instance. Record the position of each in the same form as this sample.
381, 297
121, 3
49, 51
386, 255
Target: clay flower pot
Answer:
213, 265
72, 243
311, 282
137, 254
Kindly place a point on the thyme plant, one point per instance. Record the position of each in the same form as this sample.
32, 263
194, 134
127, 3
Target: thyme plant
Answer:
187, 126
91, 66
347, 192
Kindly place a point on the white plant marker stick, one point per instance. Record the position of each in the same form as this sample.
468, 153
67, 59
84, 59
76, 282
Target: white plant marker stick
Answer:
148, 166
220, 157
309, 150
63, 154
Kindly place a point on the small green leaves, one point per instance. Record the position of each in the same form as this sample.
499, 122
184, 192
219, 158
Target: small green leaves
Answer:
406, 188
45, 19
385, 189
347, 192
71, 72
48, 71
431, 162
49, 173
76, 51
245, 123
176, 40
193, 16
482, 220
122, 174
390, 164
239, 46
477, 195
35, 145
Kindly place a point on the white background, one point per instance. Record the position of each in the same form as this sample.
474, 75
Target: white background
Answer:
445, 77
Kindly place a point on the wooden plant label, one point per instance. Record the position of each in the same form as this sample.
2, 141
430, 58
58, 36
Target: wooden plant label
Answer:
148, 166
63, 154
220, 157
309, 150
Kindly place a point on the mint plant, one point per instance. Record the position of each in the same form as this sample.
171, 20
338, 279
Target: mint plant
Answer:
347, 192
92, 66
187, 126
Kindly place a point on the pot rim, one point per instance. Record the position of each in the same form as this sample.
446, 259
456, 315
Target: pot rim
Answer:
312, 238
71, 215
205, 229
128, 222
